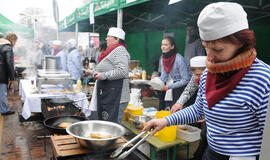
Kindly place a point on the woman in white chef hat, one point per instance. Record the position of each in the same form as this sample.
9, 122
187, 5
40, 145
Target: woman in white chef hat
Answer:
234, 89
112, 77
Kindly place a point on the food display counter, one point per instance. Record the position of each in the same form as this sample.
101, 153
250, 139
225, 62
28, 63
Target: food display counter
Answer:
32, 99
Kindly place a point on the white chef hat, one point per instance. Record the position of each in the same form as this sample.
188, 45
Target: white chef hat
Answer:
218, 20
198, 61
57, 42
116, 32
71, 43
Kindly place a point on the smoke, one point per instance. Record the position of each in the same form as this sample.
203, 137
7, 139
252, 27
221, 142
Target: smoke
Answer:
26, 53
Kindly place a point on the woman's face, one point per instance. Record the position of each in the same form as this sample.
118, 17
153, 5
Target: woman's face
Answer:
219, 51
197, 73
166, 46
111, 40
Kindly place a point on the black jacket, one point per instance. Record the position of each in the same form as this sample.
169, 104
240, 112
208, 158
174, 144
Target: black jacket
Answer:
6, 61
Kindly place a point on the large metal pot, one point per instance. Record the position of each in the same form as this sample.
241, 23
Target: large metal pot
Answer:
52, 62
81, 131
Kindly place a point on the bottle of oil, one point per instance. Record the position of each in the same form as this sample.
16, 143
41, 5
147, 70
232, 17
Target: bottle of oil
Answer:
79, 85
143, 75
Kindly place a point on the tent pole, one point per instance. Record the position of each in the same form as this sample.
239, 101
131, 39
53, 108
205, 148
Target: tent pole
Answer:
76, 31
120, 18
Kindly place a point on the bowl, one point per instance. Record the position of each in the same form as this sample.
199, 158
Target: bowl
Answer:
83, 130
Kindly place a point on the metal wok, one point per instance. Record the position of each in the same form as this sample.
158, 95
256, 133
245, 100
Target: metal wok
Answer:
52, 123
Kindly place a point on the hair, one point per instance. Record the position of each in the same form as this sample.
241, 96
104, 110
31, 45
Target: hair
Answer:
172, 42
102, 47
12, 38
245, 37
85, 62
200, 68
120, 41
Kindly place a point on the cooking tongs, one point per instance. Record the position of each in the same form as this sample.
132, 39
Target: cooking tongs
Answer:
126, 153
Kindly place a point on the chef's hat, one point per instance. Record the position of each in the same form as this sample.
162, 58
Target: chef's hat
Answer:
71, 43
57, 42
116, 32
218, 20
198, 61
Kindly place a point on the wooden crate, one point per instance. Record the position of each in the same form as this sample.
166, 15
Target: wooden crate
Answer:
66, 145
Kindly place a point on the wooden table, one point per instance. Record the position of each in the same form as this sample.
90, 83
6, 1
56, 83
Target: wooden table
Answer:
157, 145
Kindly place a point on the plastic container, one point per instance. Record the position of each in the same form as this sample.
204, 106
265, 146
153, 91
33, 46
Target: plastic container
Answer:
167, 134
79, 85
190, 133
133, 110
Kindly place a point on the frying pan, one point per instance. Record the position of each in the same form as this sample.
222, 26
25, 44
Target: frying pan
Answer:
64, 101
53, 122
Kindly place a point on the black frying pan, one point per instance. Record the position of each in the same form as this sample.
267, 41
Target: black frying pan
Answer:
52, 123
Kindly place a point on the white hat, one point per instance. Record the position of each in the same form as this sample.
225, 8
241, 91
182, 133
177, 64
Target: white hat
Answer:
218, 20
72, 43
116, 32
198, 61
57, 42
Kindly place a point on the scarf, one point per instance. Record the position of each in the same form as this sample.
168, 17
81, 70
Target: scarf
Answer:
223, 77
56, 50
168, 60
108, 51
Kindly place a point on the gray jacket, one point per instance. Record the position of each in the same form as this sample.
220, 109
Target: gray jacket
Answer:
116, 66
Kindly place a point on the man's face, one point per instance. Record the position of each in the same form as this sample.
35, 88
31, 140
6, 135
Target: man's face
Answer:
190, 31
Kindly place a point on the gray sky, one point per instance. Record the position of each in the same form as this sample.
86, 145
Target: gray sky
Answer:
12, 8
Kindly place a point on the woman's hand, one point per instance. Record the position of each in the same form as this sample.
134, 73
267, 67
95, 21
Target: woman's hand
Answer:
88, 71
157, 124
165, 88
97, 75
176, 107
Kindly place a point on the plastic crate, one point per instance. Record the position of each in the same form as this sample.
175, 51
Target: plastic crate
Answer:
191, 134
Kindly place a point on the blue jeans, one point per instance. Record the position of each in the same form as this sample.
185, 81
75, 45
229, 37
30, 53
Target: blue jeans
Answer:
3, 98
122, 108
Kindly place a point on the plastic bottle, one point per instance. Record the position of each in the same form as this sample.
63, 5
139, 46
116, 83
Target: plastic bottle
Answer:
143, 75
79, 85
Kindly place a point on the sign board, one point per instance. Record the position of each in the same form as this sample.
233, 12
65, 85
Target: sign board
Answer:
173, 1
91, 13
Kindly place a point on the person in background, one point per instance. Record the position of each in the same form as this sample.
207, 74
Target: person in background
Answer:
63, 57
174, 72
38, 54
56, 47
74, 64
193, 45
1, 35
112, 78
82, 53
101, 48
197, 66
90, 52
6, 69
234, 90
46, 50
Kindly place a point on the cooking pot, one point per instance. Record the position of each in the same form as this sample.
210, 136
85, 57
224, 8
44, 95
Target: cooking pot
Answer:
52, 62
53, 123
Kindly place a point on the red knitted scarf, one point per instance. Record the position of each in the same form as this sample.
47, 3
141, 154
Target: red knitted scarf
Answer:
217, 85
108, 51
